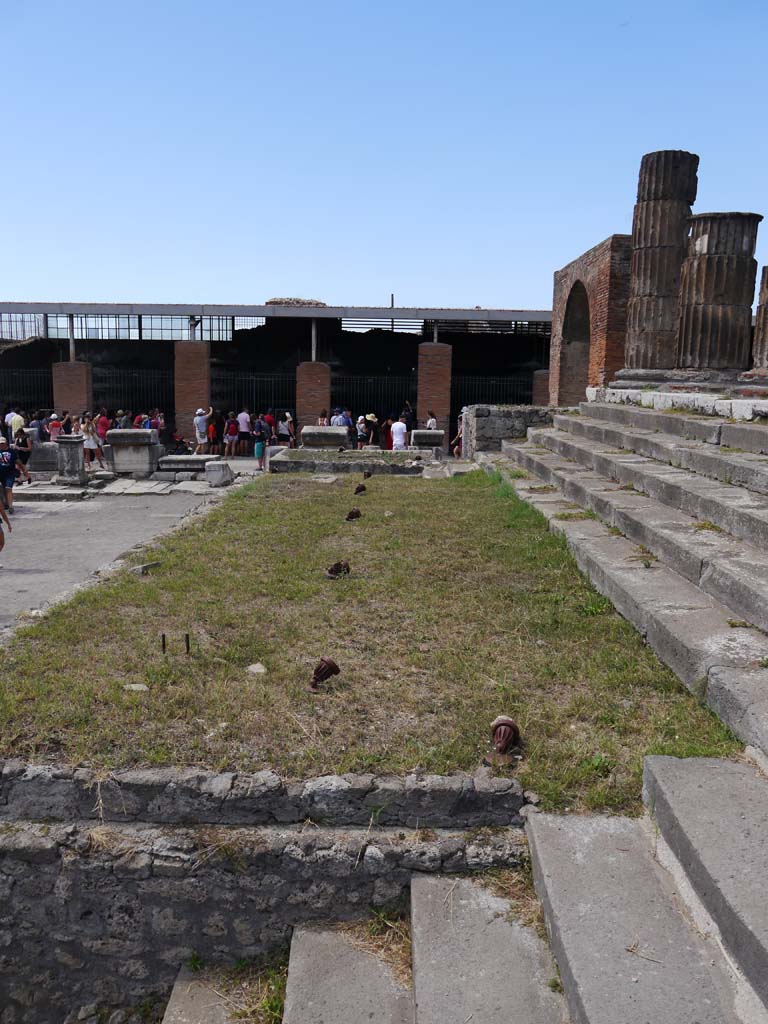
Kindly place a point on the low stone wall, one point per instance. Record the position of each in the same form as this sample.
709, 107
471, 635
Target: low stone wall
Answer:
187, 795
486, 426
94, 918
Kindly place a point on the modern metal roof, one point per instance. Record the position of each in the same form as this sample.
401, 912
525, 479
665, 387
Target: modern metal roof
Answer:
268, 310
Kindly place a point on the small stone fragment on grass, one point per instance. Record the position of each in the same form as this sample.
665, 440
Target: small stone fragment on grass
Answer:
257, 669
388, 514
136, 687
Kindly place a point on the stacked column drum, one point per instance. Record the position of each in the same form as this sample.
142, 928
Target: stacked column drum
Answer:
760, 343
666, 189
717, 285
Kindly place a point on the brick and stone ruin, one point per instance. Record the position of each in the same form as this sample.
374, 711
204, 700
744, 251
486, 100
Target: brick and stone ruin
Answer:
669, 306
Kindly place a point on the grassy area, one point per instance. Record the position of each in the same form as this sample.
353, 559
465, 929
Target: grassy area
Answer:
460, 606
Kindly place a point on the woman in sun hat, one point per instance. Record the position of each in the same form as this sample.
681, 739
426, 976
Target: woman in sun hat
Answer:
373, 429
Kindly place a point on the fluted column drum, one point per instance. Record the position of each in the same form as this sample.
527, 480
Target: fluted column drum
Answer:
717, 285
665, 191
760, 343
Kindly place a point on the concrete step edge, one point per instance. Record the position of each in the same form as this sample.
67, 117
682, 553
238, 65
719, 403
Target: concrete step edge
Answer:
711, 817
194, 1002
471, 962
625, 951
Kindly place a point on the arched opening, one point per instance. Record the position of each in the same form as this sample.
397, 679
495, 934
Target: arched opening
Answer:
574, 355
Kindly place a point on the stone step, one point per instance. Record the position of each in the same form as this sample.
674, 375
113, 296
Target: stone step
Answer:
193, 1001
745, 469
48, 492
331, 981
733, 509
626, 953
187, 463
731, 570
471, 962
699, 638
682, 425
713, 816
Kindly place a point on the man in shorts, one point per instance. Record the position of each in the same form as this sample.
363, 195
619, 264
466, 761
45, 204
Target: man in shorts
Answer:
243, 431
7, 472
261, 435
399, 430
201, 430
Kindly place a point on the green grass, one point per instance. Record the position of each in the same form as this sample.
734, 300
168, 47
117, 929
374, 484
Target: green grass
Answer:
461, 605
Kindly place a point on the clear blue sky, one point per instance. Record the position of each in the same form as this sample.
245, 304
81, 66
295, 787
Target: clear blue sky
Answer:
452, 153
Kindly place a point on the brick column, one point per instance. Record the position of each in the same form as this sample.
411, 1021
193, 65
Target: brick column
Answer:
73, 387
313, 393
540, 395
191, 383
434, 389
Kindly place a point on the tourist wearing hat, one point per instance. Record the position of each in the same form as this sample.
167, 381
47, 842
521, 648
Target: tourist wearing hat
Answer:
372, 424
201, 429
362, 432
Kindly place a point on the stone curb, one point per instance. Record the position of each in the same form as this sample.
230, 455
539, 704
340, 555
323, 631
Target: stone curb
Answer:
190, 796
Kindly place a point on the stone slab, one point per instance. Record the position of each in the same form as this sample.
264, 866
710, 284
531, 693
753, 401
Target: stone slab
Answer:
187, 463
331, 981
471, 962
625, 952
132, 438
194, 1001
699, 428
713, 815
749, 436
48, 492
219, 474
324, 437
427, 439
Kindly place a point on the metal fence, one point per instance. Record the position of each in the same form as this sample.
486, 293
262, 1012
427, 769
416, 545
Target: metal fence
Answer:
379, 394
134, 390
28, 389
232, 390
517, 390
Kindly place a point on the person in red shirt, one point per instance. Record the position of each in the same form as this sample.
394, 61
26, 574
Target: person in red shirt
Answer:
269, 419
103, 424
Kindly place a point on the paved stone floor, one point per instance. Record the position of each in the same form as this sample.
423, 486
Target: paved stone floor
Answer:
56, 545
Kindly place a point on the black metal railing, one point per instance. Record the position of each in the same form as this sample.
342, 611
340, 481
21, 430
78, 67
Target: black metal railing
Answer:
134, 390
28, 389
512, 390
377, 393
232, 390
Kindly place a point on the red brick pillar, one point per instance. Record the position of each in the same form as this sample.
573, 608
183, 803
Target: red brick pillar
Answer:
313, 393
191, 383
540, 394
73, 387
434, 390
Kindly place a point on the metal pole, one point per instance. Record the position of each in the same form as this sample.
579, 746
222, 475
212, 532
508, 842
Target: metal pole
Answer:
434, 332
314, 339
392, 306
71, 337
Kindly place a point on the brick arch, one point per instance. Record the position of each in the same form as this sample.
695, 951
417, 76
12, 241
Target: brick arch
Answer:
597, 281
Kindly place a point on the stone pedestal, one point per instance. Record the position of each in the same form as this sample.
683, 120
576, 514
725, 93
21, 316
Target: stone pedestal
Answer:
714, 329
133, 453
324, 437
666, 188
427, 439
71, 460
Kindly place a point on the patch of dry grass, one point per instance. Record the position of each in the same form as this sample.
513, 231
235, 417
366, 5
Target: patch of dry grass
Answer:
460, 605
386, 936
253, 993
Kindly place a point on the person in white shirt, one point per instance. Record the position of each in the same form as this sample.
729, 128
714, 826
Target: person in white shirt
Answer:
432, 421
201, 430
399, 431
243, 431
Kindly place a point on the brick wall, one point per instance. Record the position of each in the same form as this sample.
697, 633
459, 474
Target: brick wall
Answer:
434, 390
72, 387
313, 392
540, 394
604, 273
192, 383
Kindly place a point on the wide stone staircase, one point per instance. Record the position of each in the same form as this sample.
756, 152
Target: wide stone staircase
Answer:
668, 516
